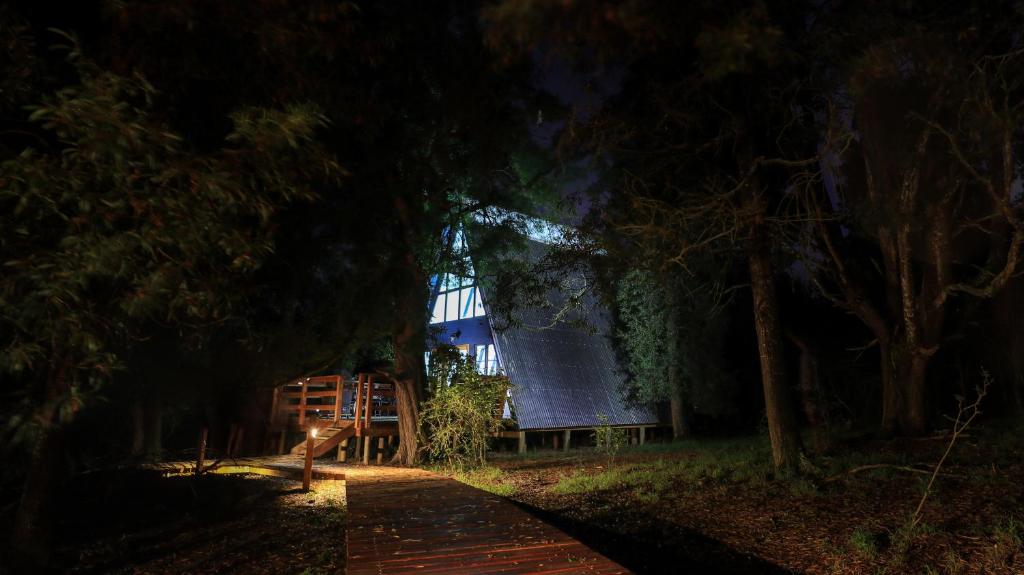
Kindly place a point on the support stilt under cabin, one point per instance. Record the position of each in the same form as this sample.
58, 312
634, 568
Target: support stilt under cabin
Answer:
564, 439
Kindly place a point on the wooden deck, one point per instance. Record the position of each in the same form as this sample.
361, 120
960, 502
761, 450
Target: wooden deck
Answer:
413, 521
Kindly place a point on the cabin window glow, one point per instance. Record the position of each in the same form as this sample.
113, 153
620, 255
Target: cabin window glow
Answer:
458, 296
460, 303
486, 359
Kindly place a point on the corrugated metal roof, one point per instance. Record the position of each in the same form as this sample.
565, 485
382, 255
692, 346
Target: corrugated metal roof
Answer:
564, 375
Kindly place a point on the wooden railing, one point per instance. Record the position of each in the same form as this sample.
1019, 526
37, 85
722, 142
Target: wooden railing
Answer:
372, 398
330, 399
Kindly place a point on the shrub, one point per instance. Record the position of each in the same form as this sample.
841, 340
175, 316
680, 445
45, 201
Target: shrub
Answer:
1007, 542
463, 412
610, 440
863, 542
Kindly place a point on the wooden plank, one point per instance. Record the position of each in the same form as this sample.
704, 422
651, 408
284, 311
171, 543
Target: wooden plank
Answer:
273, 406
369, 401
411, 521
237, 447
201, 457
321, 393
338, 392
359, 404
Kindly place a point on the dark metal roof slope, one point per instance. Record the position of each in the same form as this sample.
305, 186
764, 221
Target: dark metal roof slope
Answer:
564, 375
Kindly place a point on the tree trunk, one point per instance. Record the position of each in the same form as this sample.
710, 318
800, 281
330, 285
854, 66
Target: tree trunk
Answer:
810, 394
892, 396
33, 526
138, 428
677, 407
409, 344
153, 425
677, 390
32, 538
782, 428
408, 423
904, 379
410, 335
914, 420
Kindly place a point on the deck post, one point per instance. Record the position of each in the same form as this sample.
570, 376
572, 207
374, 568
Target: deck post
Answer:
343, 450
338, 392
369, 401
643, 435
366, 450
568, 436
522, 442
359, 408
237, 447
302, 404
307, 470
230, 448
274, 406
380, 450
200, 459
554, 441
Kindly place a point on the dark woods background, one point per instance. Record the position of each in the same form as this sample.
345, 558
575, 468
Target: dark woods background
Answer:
802, 215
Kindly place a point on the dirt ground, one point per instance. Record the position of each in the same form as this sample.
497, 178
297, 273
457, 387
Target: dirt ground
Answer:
217, 524
674, 509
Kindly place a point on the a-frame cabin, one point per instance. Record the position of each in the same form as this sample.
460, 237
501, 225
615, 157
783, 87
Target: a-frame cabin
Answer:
564, 377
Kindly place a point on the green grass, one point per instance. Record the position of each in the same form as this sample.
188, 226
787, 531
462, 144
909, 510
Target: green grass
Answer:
488, 479
709, 461
863, 542
1007, 537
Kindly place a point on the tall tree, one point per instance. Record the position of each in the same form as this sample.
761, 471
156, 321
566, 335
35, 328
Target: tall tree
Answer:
419, 115
671, 336
700, 135
921, 163
111, 224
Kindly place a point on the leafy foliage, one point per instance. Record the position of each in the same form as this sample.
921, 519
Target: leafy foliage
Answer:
659, 332
609, 440
117, 225
463, 412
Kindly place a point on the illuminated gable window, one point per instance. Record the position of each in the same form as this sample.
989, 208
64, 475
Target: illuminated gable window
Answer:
458, 298
486, 360
462, 302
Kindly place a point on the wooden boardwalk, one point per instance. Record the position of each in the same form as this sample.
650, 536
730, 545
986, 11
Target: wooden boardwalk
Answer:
413, 521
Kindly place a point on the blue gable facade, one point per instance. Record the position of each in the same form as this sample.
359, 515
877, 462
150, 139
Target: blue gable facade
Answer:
563, 376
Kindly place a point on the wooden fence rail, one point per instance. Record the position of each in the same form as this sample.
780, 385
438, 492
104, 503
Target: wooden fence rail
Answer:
292, 406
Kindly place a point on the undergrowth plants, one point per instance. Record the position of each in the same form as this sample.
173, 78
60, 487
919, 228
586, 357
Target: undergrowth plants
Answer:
486, 478
463, 412
710, 462
863, 542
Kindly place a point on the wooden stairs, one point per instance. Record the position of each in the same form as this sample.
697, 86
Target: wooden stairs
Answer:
327, 438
